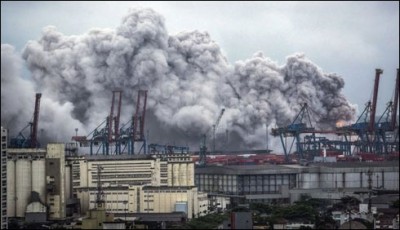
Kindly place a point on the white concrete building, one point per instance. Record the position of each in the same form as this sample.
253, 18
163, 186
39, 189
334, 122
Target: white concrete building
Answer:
4, 218
36, 170
20, 178
287, 183
138, 183
55, 181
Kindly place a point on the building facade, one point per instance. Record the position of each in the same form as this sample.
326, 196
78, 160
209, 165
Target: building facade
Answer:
56, 181
70, 185
138, 183
25, 173
286, 183
4, 218
36, 170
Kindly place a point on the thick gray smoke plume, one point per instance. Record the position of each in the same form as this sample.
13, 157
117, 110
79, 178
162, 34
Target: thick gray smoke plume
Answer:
18, 103
188, 80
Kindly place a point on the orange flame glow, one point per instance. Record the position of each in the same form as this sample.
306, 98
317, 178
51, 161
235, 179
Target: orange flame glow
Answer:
340, 123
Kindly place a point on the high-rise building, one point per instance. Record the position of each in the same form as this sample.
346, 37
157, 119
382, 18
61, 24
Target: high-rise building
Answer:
3, 178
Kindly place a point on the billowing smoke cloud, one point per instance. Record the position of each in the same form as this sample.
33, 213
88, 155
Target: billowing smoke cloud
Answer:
269, 94
16, 93
188, 80
18, 102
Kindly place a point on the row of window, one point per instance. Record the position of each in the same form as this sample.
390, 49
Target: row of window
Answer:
165, 191
253, 184
110, 193
95, 177
117, 209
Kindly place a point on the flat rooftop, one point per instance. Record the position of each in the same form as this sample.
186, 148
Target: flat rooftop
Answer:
358, 164
295, 168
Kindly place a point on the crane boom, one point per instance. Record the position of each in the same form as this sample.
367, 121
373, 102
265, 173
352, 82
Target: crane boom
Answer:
116, 127
378, 72
215, 127
139, 117
35, 121
219, 117
113, 121
396, 102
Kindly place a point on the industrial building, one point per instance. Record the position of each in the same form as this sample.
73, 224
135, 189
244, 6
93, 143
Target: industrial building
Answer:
56, 181
113, 177
286, 183
36, 170
138, 183
25, 173
127, 183
4, 218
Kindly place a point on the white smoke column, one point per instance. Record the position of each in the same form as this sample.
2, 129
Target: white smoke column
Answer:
188, 80
17, 94
181, 72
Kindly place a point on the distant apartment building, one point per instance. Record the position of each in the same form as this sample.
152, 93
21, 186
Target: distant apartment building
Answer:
4, 219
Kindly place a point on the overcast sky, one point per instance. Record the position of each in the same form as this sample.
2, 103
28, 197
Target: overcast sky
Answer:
347, 38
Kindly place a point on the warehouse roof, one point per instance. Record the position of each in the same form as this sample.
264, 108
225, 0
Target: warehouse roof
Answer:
284, 169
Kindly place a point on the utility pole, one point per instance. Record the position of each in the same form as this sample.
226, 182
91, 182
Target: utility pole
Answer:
369, 173
266, 129
226, 140
213, 149
76, 135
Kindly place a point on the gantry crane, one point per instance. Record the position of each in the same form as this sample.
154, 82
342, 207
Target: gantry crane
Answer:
364, 127
387, 124
20, 141
107, 133
300, 124
135, 131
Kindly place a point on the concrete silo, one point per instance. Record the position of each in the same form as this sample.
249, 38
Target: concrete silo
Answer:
169, 167
175, 174
183, 174
23, 181
39, 178
11, 188
190, 174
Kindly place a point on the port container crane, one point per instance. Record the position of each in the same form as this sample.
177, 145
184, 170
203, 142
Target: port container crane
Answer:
107, 133
135, 131
300, 124
31, 142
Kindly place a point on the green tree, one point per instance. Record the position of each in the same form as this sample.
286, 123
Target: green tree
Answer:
209, 221
395, 204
